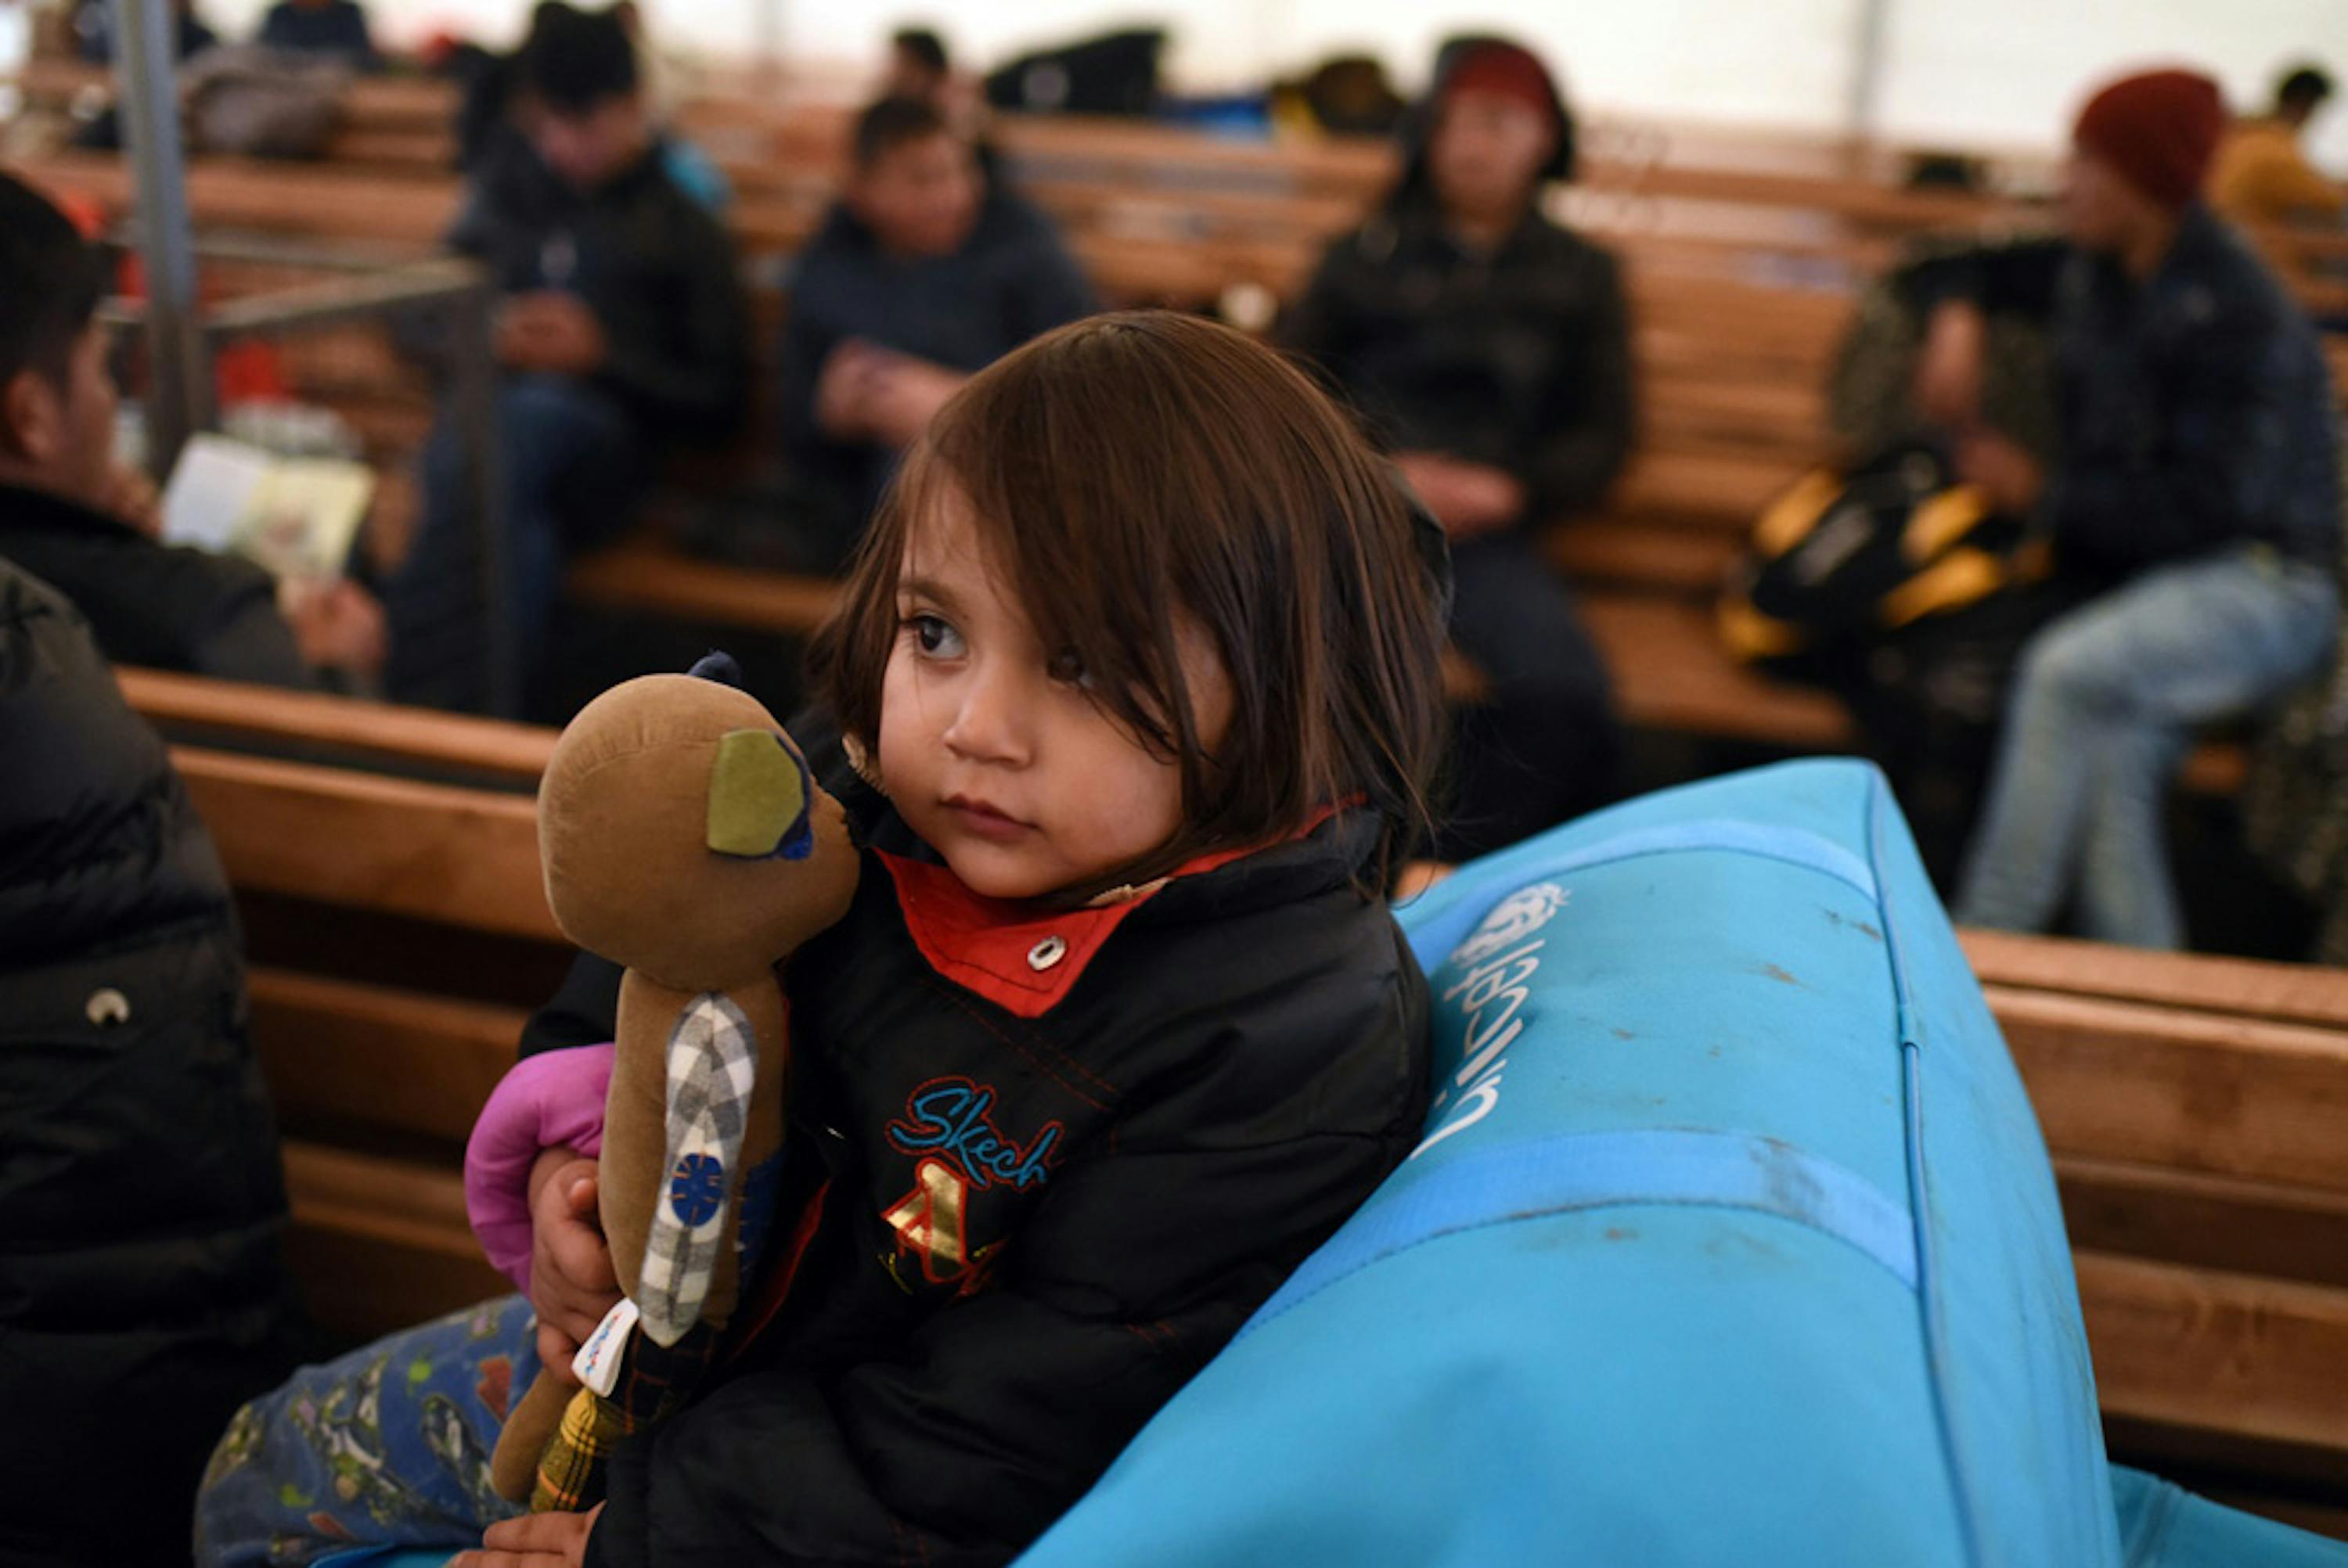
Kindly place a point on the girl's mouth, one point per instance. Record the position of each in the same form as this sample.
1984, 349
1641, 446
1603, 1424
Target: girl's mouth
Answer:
986, 820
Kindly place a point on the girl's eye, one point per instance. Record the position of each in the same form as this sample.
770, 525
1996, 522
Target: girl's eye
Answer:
937, 638
1067, 667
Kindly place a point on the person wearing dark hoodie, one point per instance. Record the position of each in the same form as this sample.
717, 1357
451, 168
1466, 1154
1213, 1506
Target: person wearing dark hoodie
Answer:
1488, 348
142, 1294
621, 330
2196, 497
71, 516
924, 273
335, 28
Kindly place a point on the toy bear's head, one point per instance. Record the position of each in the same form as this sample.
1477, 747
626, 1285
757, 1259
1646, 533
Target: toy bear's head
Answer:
684, 836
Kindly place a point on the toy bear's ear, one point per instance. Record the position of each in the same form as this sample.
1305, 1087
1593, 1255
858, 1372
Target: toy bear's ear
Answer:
720, 667
760, 794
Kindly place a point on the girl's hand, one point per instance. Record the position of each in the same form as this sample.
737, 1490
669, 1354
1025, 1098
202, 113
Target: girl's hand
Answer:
571, 1281
533, 1540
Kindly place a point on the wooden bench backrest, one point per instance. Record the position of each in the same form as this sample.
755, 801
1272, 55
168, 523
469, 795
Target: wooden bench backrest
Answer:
347, 877
2191, 1105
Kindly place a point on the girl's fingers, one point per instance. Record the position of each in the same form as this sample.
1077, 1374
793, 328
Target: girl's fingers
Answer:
583, 1259
555, 1349
580, 1194
548, 1531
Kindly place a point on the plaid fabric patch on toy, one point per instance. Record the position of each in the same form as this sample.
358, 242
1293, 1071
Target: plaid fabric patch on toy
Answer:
712, 1066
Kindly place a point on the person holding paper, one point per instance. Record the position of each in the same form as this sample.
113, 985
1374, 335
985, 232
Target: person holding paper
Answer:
72, 517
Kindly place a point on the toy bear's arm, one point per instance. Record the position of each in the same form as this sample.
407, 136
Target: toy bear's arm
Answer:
696, 1105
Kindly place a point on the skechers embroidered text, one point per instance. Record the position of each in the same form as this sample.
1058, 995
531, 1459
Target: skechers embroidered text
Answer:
947, 1117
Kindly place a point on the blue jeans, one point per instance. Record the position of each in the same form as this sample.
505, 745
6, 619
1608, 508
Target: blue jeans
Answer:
574, 471
388, 1446
2105, 706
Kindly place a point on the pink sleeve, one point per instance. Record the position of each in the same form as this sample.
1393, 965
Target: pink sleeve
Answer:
553, 1099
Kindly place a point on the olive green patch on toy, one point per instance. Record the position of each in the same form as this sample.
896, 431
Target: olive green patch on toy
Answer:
757, 794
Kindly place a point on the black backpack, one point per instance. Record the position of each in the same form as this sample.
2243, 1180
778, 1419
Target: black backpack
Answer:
1843, 559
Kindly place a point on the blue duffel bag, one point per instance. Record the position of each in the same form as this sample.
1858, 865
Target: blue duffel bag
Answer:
1732, 1240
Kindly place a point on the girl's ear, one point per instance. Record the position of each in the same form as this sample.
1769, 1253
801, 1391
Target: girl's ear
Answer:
860, 761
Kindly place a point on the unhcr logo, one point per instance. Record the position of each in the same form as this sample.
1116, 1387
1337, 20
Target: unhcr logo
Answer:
1500, 961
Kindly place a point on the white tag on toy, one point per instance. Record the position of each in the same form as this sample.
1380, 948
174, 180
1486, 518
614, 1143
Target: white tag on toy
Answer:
598, 1361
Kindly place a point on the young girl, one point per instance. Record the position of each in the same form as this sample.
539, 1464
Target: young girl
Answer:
1141, 661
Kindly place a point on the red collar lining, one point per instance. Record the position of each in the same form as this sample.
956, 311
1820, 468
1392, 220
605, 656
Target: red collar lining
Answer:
987, 946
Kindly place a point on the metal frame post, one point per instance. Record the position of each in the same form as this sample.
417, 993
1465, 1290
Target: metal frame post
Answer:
180, 400
473, 390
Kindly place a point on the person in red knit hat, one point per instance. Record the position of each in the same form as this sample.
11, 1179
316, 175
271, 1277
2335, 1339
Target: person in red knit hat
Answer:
2194, 506
1488, 348
2138, 154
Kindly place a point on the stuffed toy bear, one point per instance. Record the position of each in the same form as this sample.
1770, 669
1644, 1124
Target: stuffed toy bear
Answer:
683, 837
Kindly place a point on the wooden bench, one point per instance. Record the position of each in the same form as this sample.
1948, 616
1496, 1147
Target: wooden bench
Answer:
397, 938
2194, 1108
2192, 1105
1670, 671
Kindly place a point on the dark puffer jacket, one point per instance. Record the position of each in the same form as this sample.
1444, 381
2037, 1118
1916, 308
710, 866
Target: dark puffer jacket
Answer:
170, 606
657, 271
141, 1205
1044, 1164
1518, 358
2197, 410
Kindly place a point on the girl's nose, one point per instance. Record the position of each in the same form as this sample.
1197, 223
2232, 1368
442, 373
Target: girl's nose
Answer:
990, 721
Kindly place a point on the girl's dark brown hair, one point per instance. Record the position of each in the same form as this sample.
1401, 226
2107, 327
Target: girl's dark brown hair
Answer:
1134, 466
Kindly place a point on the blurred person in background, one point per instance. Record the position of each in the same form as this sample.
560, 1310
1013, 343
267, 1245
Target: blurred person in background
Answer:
1488, 348
918, 67
2262, 174
93, 26
86, 524
333, 28
622, 329
142, 1208
2196, 497
924, 273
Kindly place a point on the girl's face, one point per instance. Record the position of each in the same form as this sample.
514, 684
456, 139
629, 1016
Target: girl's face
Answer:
991, 747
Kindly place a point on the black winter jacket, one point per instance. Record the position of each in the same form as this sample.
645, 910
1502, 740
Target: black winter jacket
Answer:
655, 268
1012, 280
2196, 408
1042, 1197
166, 606
142, 1207
1519, 359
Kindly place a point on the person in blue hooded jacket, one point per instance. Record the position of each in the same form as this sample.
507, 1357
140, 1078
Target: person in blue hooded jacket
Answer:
924, 273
